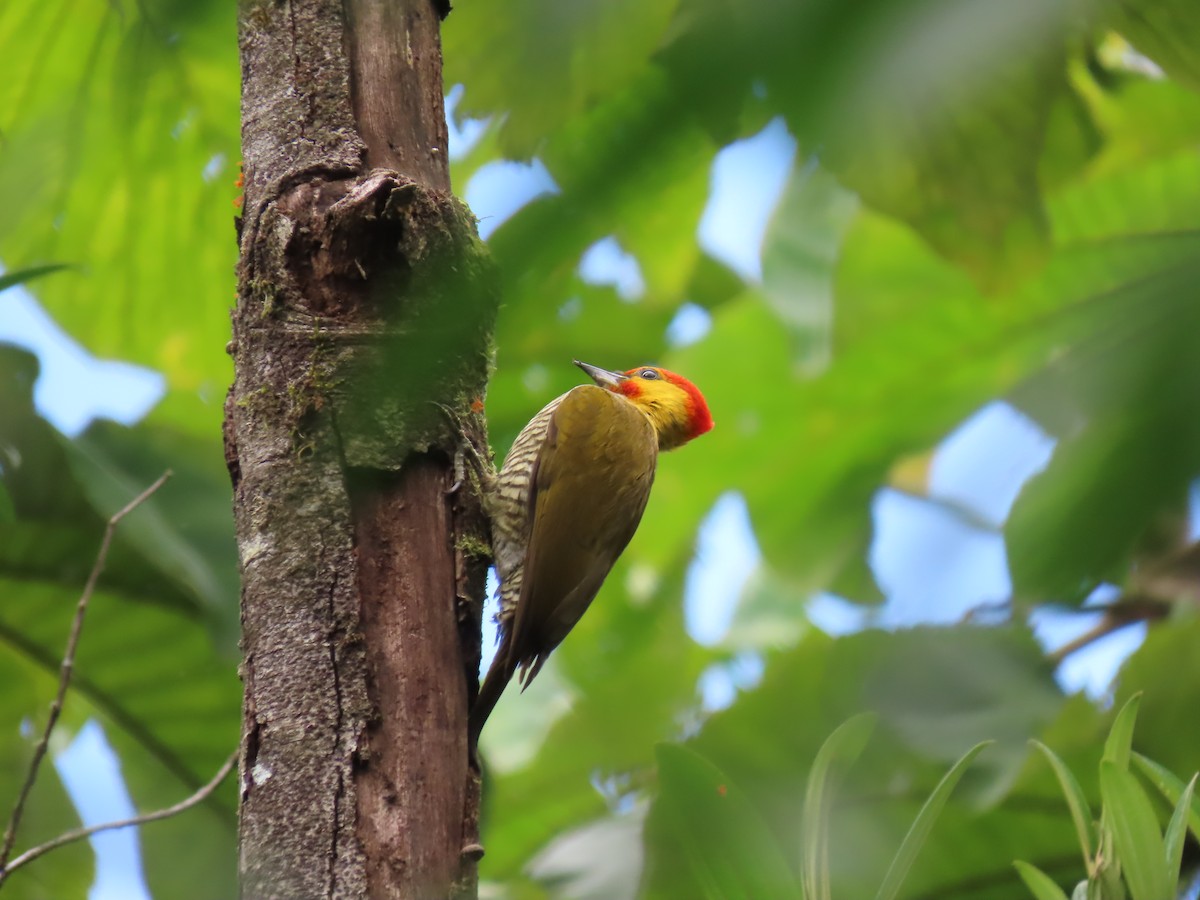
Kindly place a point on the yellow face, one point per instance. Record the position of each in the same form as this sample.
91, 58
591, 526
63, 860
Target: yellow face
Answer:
674, 405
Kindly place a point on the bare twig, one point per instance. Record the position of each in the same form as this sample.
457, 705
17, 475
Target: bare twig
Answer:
80, 833
65, 670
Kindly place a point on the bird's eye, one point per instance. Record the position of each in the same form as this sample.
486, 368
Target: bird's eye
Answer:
648, 374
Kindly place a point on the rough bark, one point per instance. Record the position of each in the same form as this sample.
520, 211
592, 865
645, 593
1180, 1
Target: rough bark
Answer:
361, 339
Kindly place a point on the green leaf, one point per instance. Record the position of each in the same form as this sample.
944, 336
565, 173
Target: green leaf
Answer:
540, 64
1171, 787
842, 748
129, 117
924, 684
919, 832
1167, 31
1139, 843
184, 530
1177, 832
1120, 737
1126, 460
800, 256
168, 705
10, 279
727, 849
981, 214
1081, 813
8, 512
1039, 883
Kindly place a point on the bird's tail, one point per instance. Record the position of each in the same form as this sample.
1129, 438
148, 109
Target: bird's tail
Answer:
493, 686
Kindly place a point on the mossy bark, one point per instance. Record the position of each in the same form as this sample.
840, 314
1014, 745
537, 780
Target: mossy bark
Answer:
361, 339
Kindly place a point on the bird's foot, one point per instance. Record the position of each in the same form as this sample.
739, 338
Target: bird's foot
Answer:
472, 456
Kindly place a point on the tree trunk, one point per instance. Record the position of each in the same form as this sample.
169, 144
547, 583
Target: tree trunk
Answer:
361, 343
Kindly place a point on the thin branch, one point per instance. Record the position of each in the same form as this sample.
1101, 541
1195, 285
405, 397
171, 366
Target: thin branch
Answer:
65, 670
80, 833
1120, 614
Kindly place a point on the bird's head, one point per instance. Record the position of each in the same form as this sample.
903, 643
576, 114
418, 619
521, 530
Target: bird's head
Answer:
673, 404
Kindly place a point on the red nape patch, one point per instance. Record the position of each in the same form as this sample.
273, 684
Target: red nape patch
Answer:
701, 417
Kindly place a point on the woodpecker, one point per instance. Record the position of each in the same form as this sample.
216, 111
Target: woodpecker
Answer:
566, 503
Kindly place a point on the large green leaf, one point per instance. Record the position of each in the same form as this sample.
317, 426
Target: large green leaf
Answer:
177, 550
800, 256
956, 154
1168, 31
186, 529
1136, 833
541, 64
724, 848
169, 706
129, 119
1167, 674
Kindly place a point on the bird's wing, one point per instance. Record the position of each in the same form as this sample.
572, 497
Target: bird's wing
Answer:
590, 485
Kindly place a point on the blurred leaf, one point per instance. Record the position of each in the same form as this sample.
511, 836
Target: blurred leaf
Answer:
1167, 674
147, 669
637, 169
185, 530
842, 747
129, 119
1168, 31
7, 512
767, 739
598, 861
1072, 138
169, 707
917, 835
800, 255
725, 848
963, 170
713, 283
1171, 787
176, 550
1131, 452
1141, 120
1120, 738
1081, 813
541, 63
56, 529
984, 685
1135, 830
769, 613
1176, 832
1040, 885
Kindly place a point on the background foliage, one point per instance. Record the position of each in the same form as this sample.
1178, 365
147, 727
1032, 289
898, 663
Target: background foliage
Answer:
988, 202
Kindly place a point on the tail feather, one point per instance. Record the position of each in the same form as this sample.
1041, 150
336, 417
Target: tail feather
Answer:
493, 686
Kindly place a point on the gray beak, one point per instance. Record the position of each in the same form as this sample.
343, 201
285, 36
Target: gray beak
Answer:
602, 377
